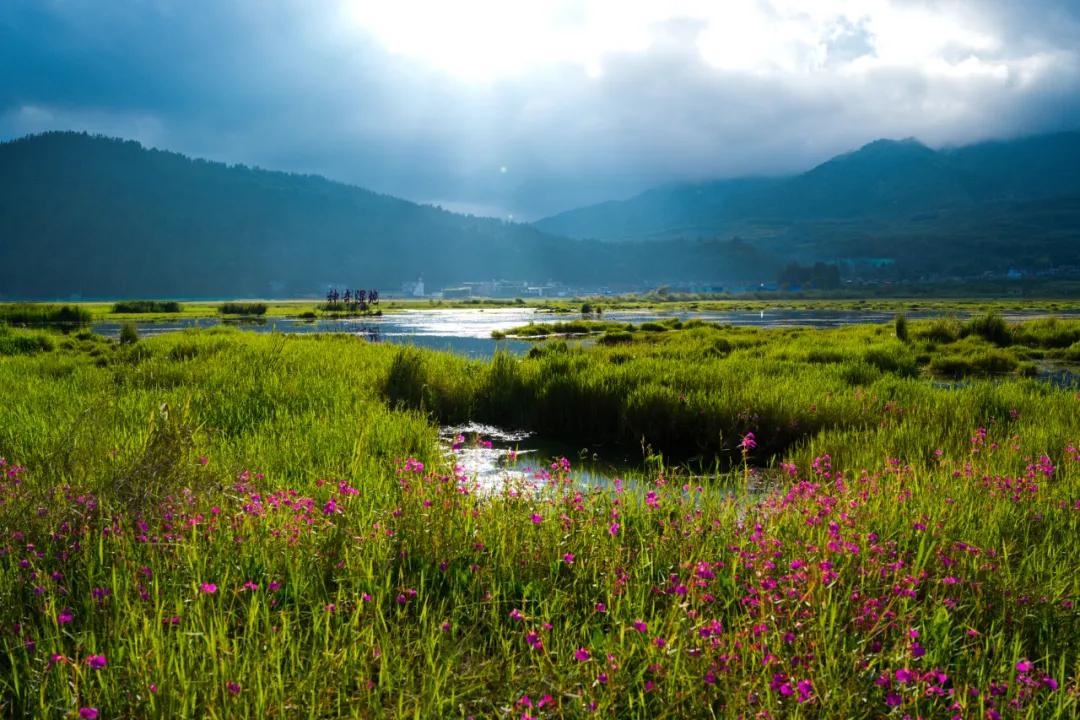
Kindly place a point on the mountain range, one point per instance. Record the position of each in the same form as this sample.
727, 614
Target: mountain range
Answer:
884, 180
96, 217
920, 211
90, 216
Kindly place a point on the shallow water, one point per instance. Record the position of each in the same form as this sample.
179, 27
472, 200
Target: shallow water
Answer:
468, 331
493, 457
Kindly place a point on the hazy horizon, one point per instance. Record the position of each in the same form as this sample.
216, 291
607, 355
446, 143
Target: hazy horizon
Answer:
522, 111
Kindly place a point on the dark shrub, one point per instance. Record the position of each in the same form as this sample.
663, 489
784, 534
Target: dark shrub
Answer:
129, 334
147, 306
900, 324
234, 308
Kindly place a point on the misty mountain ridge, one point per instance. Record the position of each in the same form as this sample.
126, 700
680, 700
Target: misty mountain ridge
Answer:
91, 216
889, 181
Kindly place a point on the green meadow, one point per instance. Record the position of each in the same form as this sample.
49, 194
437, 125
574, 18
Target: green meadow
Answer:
872, 521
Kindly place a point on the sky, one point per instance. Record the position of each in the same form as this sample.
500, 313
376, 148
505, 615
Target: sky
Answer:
522, 109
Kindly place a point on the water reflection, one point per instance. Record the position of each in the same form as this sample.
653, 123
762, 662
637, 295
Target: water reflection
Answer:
493, 457
468, 331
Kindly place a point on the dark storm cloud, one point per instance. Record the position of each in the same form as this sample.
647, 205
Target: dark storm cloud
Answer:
295, 86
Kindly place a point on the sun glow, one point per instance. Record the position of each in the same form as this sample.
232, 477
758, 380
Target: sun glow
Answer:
484, 40
487, 40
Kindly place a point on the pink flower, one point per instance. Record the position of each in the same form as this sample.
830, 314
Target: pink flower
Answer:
1024, 666
537, 519
640, 626
749, 442
568, 558
96, 662
515, 614
64, 617
614, 529
233, 688
581, 655
208, 588
88, 713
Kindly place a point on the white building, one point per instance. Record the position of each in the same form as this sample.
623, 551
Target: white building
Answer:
415, 289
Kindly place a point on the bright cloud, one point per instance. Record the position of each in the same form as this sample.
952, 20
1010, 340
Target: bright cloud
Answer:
580, 100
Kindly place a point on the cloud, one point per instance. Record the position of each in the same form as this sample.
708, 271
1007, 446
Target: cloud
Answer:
579, 101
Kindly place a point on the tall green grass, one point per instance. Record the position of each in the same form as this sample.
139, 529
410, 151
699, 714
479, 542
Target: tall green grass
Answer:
221, 524
41, 314
692, 394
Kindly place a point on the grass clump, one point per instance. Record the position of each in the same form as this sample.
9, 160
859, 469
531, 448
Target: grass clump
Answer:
615, 337
900, 327
19, 342
129, 334
41, 314
147, 306
991, 327
536, 330
237, 308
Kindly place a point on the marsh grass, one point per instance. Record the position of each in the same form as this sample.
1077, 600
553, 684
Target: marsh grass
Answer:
239, 308
40, 314
223, 524
146, 306
23, 342
572, 327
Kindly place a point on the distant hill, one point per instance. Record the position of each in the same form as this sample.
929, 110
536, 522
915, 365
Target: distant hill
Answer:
101, 217
89, 216
1011, 202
